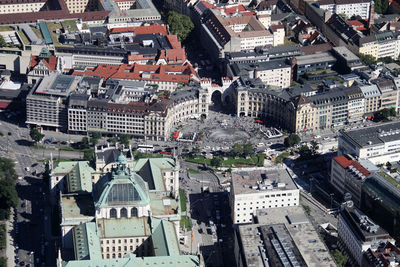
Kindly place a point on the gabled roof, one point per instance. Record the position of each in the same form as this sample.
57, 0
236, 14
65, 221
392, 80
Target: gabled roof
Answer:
51, 62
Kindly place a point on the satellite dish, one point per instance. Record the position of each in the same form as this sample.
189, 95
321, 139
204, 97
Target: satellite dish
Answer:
350, 203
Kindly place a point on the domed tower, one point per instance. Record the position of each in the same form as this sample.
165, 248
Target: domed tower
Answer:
125, 195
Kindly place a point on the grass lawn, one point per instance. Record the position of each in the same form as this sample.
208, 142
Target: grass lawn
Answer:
52, 29
185, 222
182, 200
281, 157
37, 32
192, 171
4, 28
70, 25
23, 37
257, 160
389, 179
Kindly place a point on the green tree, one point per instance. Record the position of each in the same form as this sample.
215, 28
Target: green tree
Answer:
88, 155
344, 16
384, 114
3, 262
314, 148
8, 193
124, 139
378, 6
305, 152
84, 144
2, 42
236, 150
385, 6
94, 138
216, 162
340, 259
196, 150
180, 25
291, 140
356, 17
248, 149
35, 135
367, 59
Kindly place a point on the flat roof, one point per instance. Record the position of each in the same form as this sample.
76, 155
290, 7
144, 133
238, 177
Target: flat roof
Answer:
10, 85
345, 53
57, 84
304, 235
77, 206
261, 180
124, 227
315, 58
374, 135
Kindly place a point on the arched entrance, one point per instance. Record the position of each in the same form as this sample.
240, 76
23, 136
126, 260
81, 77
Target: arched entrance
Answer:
216, 101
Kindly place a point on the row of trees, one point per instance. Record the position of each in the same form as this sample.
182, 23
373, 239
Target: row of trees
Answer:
8, 192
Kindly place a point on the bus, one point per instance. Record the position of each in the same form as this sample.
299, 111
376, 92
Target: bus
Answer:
145, 148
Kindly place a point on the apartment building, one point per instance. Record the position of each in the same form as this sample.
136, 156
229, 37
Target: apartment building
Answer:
260, 188
372, 98
24, 6
348, 7
355, 104
379, 144
357, 233
47, 102
389, 93
348, 175
276, 73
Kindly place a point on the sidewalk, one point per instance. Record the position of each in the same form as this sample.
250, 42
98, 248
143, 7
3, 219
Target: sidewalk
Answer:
10, 241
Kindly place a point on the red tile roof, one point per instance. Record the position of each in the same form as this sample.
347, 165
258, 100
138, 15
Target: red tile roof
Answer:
345, 163
51, 63
165, 73
153, 28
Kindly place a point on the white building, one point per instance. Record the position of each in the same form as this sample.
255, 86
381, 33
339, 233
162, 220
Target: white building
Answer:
379, 144
347, 7
357, 233
260, 188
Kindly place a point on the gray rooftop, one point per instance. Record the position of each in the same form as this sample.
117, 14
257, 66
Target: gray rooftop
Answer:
244, 180
315, 58
57, 85
345, 53
300, 240
375, 135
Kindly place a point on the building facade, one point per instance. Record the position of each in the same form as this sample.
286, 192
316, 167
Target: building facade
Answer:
256, 189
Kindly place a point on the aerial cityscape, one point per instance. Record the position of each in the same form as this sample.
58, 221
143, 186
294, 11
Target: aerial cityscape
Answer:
200, 133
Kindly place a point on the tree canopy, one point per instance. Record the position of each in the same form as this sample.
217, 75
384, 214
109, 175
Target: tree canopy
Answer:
8, 192
367, 59
216, 162
384, 114
180, 25
291, 140
35, 135
124, 139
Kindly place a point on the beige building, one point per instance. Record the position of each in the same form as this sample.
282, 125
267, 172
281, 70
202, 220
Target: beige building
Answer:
24, 6
306, 114
80, 6
372, 98
389, 93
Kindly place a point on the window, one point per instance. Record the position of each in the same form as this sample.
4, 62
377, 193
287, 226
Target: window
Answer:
124, 213
113, 213
134, 212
